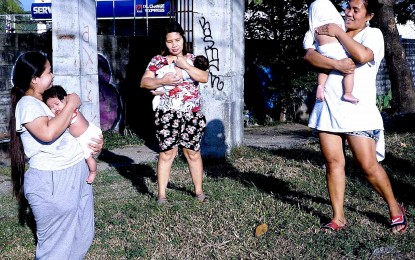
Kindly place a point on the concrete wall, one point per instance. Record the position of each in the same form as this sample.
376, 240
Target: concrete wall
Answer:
75, 60
11, 46
219, 35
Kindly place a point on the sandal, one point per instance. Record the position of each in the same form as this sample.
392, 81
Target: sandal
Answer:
202, 198
400, 221
333, 226
161, 201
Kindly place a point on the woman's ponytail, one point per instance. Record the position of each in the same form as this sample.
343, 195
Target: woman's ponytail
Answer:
16, 147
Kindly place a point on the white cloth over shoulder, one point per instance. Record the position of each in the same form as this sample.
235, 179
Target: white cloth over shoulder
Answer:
60, 154
335, 115
320, 12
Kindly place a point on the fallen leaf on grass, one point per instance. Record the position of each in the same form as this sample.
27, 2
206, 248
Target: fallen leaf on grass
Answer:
261, 229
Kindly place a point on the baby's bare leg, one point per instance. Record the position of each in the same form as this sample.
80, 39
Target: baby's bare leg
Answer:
348, 82
92, 165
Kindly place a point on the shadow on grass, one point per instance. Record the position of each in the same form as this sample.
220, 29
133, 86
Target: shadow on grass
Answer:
404, 192
136, 173
280, 189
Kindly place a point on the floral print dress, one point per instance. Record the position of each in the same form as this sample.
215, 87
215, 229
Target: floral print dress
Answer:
185, 97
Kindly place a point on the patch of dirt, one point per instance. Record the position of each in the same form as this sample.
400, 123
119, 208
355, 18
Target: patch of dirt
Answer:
279, 136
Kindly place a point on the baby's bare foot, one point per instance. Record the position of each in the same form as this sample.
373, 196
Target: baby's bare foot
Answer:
350, 98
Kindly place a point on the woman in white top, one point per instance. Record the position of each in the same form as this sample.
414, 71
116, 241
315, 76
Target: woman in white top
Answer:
55, 182
361, 124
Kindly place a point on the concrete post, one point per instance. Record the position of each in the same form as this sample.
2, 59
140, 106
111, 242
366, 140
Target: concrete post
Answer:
219, 35
75, 60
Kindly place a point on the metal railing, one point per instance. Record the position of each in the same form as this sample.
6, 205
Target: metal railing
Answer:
181, 10
22, 23
184, 16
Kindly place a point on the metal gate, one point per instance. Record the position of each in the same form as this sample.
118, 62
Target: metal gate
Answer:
184, 16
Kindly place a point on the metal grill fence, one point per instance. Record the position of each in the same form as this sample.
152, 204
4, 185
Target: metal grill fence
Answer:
22, 23
181, 11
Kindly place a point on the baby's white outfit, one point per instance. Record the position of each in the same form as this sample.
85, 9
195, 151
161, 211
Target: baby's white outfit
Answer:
84, 139
166, 88
322, 12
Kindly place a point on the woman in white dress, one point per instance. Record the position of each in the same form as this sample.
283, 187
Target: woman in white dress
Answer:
361, 124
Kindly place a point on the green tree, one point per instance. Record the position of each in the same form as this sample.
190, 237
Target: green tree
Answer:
403, 93
279, 28
286, 21
11, 7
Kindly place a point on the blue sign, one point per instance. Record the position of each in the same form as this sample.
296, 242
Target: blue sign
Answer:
41, 11
114, 9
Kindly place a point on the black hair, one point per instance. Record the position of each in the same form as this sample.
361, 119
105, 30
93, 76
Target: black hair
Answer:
172, 27
372, 6
28, 66
55, 91
201, 62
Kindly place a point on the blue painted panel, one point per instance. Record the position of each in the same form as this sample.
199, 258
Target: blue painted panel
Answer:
116, 9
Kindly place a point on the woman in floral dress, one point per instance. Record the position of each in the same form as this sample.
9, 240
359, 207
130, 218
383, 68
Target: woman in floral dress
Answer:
179, 120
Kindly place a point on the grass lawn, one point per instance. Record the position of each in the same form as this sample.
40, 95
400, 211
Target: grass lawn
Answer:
284, 188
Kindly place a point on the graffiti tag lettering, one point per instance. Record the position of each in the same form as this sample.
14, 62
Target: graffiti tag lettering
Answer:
212, 54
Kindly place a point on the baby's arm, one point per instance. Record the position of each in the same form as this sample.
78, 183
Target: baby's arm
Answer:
79, 126
162, 90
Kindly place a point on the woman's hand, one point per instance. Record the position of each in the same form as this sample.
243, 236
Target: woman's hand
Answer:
181, 62
171, 79
346, 66
96, 144
73, 99
329, 29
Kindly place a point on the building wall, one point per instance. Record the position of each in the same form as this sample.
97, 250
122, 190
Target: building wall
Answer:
11, 46
219, 35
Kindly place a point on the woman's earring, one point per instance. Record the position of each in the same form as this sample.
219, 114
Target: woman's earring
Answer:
367, 23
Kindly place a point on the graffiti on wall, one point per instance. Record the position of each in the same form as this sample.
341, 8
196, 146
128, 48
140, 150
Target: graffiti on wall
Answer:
87, 62
212, 55
110, 103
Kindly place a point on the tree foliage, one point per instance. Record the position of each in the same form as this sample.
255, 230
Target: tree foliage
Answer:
403, 93
11, 7
278, 27
284, 23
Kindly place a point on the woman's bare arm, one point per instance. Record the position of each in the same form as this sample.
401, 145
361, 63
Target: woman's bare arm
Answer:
149, 80
195, 73
46, 129
359, 52
317, 60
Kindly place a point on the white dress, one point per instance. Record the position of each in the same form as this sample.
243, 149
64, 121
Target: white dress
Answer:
335, 115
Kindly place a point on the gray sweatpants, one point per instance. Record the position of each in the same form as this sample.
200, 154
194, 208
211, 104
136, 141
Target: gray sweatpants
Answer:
63, 206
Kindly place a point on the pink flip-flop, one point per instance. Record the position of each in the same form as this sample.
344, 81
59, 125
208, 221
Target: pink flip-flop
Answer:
400, 221
333, 226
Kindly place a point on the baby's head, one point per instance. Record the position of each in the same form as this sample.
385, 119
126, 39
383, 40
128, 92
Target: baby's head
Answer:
201, 62
55, 98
